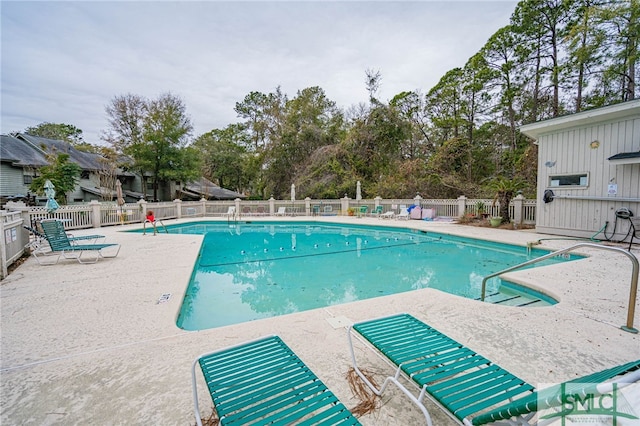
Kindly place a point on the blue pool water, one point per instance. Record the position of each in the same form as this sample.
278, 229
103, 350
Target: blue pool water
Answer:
248, 271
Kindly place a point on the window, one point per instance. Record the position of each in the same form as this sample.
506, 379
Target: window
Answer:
580, 180
27, 179
84, 174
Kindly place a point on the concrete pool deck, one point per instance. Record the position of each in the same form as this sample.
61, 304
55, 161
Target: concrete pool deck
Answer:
90, 344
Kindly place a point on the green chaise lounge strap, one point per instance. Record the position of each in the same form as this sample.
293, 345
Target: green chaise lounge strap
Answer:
465, 384
552, 397
264, 382
458, 379
61, 244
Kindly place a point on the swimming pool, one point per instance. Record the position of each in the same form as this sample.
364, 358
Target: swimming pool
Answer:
254, 270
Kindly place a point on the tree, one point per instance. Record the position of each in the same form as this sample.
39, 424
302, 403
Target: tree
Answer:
254, 109
373, 81
542, 22
375, 142
623, 22
504, 190
225, 156
444, 105
108, 173
166, 128
61, 172
310, 121
58, 131
502, 57
155, 134
585, 40
264, 115
126, 115
410, 106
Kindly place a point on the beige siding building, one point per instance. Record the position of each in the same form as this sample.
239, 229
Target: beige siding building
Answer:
588, 171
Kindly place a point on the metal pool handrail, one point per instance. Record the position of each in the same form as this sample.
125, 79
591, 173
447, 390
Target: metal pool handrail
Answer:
634, 276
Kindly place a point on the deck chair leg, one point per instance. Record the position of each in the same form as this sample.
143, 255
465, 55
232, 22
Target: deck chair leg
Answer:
43, 255
111, 255
390, 379
78, 256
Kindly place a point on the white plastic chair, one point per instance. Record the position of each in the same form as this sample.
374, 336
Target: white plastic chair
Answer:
231, 212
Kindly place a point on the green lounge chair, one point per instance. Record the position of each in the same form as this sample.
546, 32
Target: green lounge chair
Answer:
377, 211
457, 379
523, 410
463, 383
61, 244
39, 235
263, 382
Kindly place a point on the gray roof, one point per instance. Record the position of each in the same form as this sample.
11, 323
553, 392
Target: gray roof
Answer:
86, 160
21, 154
99, 191
208, 189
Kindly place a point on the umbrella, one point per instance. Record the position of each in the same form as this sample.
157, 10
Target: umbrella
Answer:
50, 192
293, 192
119, 193
358, 191
120, 200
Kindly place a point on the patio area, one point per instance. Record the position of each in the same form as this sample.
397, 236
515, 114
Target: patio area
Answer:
90, 344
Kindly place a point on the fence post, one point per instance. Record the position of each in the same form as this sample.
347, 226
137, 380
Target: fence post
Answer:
203, 201
344, 205
4, 270
462, 205
518, 203
96, 219
178, 203
272, 206
417, 200
307, 206
376, 202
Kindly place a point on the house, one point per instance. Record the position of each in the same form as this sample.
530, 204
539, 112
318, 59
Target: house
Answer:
588, 172
22, 156
204, 188
19, 163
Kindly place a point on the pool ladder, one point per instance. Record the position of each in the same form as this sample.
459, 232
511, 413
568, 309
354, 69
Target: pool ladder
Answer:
155, 228
634, 276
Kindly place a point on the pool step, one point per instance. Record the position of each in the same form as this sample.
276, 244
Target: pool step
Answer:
510, 298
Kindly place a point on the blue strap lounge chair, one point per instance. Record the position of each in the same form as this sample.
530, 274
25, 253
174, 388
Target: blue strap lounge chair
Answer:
463, 383
264, 382
61, 244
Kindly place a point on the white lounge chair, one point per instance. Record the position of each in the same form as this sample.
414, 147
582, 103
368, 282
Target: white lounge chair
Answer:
282, 211
387, 215
404, 213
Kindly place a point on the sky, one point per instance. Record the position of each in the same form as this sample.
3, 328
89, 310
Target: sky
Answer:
64, 61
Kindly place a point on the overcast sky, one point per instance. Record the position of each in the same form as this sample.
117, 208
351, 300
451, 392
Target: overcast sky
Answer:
63, 61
